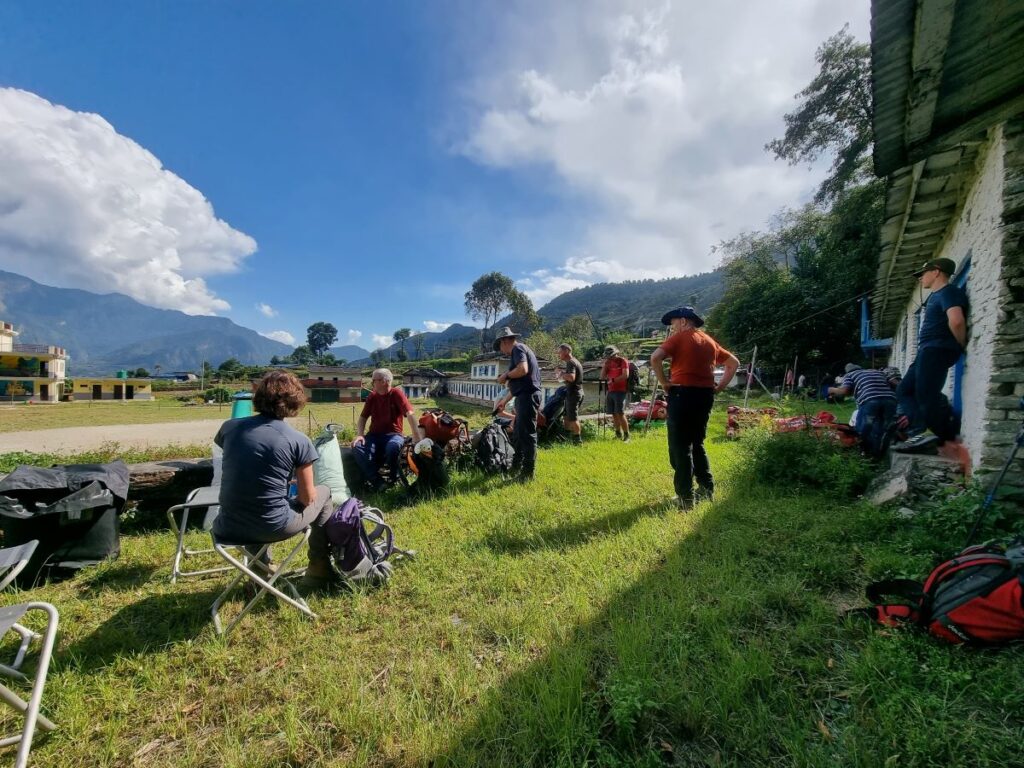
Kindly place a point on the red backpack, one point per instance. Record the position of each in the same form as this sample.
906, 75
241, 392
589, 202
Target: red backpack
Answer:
440, 426
976, 598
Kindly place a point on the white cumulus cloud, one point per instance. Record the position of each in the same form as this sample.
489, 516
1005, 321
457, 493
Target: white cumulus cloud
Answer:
382, 340
283, 336
266, 310
353, 336
83, 206
435, 327
657, 114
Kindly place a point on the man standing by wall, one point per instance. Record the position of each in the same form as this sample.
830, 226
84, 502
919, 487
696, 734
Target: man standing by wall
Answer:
691, 392
384, 409
572, 377
523, 380
616, 372
941, 341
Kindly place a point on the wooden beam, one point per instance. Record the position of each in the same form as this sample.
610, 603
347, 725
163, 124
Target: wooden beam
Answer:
933, 23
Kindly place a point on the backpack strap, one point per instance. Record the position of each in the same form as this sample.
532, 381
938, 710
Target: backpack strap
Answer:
888, 615
908, 589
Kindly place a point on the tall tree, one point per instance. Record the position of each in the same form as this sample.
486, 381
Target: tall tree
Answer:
302, 355
401, 335
492, 294
419, 343
834, 116
319, 337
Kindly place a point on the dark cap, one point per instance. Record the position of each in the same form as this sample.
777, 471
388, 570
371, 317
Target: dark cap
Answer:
943, 265
504, 333
687, 312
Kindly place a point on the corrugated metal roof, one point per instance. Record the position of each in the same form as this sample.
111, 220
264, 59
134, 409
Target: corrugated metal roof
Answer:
943, 72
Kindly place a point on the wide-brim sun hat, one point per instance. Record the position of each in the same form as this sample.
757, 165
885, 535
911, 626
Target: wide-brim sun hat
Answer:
685, 312
504, 333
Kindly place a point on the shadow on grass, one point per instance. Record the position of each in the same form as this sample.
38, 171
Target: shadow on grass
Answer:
727, 651
572, 534
117, 578
145, 626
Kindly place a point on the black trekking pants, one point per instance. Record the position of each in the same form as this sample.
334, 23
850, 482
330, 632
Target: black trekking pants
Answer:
524, 433
688, 411
920, 392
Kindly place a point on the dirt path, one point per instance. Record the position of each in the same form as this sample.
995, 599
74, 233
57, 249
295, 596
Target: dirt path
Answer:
73, 439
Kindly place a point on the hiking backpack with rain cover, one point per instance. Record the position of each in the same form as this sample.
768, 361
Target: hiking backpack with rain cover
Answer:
975, 598
494, 451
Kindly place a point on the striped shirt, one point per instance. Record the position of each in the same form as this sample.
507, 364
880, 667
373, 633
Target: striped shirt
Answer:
868, 384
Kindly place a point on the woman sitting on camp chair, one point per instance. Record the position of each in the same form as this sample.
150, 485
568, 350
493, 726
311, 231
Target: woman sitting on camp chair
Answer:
261, 455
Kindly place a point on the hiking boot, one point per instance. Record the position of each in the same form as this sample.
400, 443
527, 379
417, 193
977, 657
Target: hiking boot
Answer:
618, 434
625, 438
523, 478
320, 576
922, 443
704, 493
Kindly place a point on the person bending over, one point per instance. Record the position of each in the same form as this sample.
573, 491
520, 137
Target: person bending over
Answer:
876, 405
261, 455
381, 446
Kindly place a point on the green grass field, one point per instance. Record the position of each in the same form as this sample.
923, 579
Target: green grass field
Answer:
580, 620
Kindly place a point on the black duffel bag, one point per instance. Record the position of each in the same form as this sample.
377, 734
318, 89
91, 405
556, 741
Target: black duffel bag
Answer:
72, 510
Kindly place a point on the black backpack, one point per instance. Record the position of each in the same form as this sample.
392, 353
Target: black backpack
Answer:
976, 598
634, 377
494, 451
431, 473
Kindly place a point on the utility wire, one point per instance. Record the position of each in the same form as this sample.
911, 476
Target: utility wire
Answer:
806, 318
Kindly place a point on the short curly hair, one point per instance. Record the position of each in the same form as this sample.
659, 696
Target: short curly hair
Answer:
279, 394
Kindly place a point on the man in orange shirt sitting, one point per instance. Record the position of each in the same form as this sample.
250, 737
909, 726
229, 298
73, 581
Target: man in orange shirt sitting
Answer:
691, 392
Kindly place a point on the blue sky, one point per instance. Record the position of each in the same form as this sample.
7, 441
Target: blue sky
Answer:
362, 163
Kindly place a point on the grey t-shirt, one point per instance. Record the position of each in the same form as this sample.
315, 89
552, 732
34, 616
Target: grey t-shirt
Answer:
260, 456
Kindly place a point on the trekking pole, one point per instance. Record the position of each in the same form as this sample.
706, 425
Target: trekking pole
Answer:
650, 410
990, 497
750, 374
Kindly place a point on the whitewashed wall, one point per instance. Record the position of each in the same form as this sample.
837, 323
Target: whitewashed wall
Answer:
975, 234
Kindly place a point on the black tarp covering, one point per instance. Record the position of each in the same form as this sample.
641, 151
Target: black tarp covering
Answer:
72, 510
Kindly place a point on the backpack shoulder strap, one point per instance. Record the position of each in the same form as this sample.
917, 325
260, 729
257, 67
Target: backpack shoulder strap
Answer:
908, 589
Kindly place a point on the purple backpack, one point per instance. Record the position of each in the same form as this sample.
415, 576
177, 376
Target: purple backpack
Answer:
361, 542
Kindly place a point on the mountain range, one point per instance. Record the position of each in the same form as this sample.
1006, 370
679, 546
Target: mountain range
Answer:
107, 332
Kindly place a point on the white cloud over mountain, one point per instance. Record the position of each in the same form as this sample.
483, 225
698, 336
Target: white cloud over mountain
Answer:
283, 336
353, 336
657, 114
266, 310
435, 327
382, 340
83, 206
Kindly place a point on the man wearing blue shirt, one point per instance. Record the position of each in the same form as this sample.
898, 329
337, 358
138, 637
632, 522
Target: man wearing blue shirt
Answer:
523, 380
941, 341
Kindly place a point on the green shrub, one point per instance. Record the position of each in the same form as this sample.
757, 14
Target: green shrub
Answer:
807, 460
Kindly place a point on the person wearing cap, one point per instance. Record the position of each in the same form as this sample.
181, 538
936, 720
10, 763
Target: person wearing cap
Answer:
615, 372
941, 341
523, 381
572, 377
876, 405
691, 392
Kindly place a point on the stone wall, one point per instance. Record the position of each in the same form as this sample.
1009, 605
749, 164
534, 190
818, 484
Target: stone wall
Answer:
1006, 383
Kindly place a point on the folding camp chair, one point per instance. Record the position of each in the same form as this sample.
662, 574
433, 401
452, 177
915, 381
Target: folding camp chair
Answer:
9, 617
13, 561
208, 499
263, 581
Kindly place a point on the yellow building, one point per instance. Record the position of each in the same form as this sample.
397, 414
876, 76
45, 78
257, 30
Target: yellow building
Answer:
112, 388
30, 372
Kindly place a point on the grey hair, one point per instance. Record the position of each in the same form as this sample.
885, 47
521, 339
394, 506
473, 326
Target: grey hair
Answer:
566, 347
385, 373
